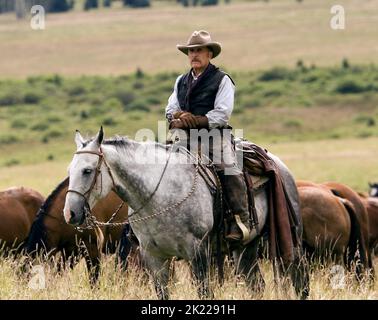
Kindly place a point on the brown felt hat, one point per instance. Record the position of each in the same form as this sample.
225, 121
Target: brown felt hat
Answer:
200, 39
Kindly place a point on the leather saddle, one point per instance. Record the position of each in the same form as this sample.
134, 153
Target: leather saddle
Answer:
254, 177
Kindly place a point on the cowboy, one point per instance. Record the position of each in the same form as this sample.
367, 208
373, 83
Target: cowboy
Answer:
203, 99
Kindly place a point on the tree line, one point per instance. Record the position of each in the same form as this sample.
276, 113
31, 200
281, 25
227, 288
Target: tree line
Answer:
21, 7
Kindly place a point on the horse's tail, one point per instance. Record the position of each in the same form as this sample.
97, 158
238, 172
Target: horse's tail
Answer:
355, 244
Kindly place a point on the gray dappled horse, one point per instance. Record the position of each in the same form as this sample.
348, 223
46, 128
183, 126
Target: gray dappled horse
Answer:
172, 206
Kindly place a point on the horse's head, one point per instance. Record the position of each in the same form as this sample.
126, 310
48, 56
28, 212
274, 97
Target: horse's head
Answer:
373, 189
90, 179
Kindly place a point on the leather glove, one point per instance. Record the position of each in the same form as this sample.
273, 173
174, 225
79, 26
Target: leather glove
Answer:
200, 122
189, 120
177, 114
176, 124
203, 122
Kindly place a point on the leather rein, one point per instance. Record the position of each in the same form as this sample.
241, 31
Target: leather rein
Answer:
91, 220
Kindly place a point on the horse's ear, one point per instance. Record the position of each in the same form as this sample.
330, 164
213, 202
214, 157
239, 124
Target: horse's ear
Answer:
79, 140
100, 136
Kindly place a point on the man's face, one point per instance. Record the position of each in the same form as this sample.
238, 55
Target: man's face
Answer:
199, 57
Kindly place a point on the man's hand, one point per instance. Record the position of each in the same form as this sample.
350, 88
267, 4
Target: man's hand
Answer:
189, 120
177, 114
176, 124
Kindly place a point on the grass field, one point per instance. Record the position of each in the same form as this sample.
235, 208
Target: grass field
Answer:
318, 115
135, 285
255, 35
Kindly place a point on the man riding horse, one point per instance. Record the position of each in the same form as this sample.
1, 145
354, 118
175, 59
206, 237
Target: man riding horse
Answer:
203, 99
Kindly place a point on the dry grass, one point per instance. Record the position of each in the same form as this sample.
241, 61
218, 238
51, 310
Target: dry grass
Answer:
115, 284
254, 35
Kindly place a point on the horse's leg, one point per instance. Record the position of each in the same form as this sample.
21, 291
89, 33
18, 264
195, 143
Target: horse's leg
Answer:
247, 266
299, 273
159, 270
124, 248
200, 267
92, 259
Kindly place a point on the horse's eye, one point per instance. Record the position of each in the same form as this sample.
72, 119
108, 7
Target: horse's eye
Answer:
87, 171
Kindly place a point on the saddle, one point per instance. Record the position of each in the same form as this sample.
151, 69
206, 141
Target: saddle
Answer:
260, 173
255, 178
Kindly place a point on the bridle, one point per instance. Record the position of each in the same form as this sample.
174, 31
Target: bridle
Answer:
101, 160
90, 219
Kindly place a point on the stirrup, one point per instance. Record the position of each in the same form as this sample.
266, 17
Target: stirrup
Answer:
243, 228
242, 234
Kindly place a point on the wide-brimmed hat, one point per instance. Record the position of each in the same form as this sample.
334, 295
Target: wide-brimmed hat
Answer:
200, 39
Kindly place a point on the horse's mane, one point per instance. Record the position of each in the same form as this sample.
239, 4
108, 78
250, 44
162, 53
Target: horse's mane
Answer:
47, 204
37, 234
123, 142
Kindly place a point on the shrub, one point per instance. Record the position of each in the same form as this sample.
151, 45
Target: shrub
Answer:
109, 122
136, 3
40, 127
12, 162
139, 73
275, 74
54, 119
209, 2
369, 121
137, 106
55, 79
364, 134
90, 4
9, 99
124, 96
18, 124
138, 85
112, 104
60, 5
293, 123
272, 93
350, 86
76, 90
8, 139
345, 63
31, 98
84, 115
53, 134
153, 100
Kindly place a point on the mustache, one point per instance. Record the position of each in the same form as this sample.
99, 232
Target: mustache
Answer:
195, 60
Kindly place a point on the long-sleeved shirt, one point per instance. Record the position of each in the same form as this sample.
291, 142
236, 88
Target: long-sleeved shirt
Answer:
223, 105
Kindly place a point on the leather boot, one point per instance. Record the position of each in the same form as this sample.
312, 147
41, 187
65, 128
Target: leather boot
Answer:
235, 191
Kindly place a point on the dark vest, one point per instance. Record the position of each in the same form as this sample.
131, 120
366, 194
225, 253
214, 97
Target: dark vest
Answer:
198, 96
